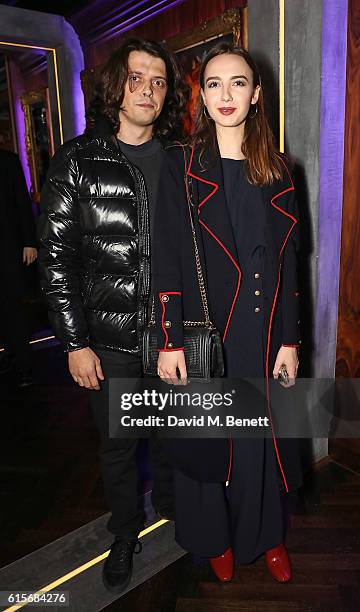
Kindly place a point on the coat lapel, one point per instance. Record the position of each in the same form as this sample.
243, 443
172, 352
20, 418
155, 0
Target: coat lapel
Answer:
215, 223
214, 216
212, 209
279, 212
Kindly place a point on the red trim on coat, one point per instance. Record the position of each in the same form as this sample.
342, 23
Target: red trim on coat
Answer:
235, 264
230, 459
295, 221
189, 173
239, 276
216, 187
181, 348
291, 345
163, 312
268, 388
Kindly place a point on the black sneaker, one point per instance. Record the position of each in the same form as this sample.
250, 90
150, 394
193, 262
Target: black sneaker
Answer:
118, 566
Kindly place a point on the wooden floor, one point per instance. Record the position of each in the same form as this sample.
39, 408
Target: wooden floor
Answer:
324, 544
50, 486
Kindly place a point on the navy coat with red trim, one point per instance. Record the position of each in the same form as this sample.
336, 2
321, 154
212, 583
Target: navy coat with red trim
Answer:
177, 296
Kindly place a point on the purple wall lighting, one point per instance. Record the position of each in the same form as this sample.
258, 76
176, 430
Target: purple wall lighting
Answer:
21, 140
332, 118
77, 96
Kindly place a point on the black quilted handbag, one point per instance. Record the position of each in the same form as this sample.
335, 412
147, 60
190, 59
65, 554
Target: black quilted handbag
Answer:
202, 341
202, 349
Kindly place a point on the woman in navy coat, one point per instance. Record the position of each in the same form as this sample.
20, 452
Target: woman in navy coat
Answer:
247, 212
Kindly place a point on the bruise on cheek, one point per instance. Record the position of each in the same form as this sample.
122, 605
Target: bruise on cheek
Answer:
133, 85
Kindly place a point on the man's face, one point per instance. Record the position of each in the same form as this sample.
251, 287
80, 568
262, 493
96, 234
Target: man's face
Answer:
145, 89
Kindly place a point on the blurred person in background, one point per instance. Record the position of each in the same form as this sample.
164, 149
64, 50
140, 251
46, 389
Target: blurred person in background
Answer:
17, 250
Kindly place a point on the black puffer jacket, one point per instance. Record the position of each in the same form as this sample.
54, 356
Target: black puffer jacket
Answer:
95, 252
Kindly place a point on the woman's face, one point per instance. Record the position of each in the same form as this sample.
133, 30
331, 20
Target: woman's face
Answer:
228, 89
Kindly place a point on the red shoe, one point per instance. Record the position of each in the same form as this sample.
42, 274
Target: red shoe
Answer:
278, 563
223, 566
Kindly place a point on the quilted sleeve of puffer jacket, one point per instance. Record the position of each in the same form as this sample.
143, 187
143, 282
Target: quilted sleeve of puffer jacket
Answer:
60, 250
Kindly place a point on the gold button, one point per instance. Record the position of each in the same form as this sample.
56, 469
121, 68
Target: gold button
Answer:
165, 298
257, 309
167, 323
170, 345
257, 275
257, 292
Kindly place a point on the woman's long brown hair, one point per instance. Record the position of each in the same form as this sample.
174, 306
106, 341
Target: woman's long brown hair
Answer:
263, 164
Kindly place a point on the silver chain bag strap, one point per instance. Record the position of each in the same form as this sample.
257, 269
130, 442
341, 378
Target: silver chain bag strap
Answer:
202, 341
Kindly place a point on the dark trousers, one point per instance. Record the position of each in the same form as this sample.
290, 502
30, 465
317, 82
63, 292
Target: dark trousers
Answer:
248, 514
13, 329
118, 456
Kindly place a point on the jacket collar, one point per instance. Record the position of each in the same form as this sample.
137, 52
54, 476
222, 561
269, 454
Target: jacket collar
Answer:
280, 210
208, 178
212, 209
102, 132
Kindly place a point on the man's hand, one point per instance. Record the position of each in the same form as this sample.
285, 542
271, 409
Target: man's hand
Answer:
29, 255
288, 356
85, 368
168, 363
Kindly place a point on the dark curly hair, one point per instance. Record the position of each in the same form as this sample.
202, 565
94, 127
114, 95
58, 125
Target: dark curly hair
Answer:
110, 88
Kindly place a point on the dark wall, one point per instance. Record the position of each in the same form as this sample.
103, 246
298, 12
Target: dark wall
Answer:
95, 27
348, 341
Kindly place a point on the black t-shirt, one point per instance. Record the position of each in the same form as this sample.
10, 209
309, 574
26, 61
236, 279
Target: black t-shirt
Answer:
147, 157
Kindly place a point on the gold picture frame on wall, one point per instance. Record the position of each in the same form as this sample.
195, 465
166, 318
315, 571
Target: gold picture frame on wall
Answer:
189, 48
232, 22
38, 136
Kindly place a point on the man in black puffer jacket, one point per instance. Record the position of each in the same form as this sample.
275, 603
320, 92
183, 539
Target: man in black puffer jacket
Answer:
95, 233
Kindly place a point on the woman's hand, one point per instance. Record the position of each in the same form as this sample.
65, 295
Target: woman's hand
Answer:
287, 355
168, 363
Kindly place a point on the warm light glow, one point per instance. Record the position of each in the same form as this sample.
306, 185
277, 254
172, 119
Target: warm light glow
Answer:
81, 568
53, 51
58, 95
